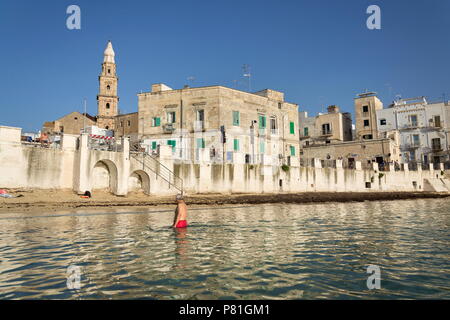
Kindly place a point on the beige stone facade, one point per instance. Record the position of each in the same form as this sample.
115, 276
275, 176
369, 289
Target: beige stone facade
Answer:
260, 125
72, 123
366, 107
127, 125
334, 126
376, 150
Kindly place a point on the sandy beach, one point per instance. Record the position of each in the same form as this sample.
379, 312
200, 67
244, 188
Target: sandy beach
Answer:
64, 200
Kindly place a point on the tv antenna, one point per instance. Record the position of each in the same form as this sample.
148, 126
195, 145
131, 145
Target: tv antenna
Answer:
191, 79
247, 74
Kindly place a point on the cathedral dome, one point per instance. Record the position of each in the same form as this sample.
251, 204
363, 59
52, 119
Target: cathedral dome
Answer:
109, 53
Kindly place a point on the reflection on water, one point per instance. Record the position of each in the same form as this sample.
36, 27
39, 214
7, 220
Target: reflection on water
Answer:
261, 252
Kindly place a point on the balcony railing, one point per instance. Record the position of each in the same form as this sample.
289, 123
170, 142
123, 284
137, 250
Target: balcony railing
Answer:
168, 128
199, 125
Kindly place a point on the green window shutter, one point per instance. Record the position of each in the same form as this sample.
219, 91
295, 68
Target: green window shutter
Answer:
157, 121
172, 143
262, 147
305, 132
236, 117
292, 127
153, 145
236, 144
262, 122
292, 151
200, 143
174, 117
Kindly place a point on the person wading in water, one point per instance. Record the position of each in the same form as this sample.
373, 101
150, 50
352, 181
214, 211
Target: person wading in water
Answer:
180, 213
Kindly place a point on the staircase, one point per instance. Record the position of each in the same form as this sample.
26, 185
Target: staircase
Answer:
151, 163
436, 185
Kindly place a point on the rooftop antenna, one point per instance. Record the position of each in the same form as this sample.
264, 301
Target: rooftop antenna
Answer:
84, 117
247, 74
191, 79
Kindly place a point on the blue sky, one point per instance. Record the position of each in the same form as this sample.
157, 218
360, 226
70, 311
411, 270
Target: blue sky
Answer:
317, 52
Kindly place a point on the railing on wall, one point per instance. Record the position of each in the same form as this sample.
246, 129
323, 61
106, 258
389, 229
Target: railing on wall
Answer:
104, 144
150, 162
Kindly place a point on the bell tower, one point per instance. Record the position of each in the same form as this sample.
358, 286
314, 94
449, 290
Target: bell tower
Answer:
107, 99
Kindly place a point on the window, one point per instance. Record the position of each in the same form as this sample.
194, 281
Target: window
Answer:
413, 120
156, 122
415, 140
171, 117
236, 144
305, 132
280, 105
262, 122
236, 118
273, 125
436, 144
76, 118
262, 147
200, 115
382, 122
107, 106
109, 70
366, 123
172, 143
200, 143
291, 127
367, 137
121, 124
365, 109
326, 129
129, 123
437, 121
292, 148
153, 145
108, 87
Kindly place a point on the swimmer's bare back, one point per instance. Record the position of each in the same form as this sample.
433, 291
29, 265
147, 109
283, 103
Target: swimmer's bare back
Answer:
181, 215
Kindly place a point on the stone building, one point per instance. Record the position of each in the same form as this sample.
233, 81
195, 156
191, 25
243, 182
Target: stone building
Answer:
366, 107
72, 123
423, 128
261, 126
334, 126
108, 116
127, 125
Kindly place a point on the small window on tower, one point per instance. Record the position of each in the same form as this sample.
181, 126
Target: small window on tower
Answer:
107, 106
108, 87
109, 70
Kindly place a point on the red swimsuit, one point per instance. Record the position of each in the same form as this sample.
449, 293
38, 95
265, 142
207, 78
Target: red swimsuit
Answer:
181, 224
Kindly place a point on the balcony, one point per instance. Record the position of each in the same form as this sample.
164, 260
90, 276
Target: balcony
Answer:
436, 148
274, 132
199, 125
411, 146
168, 128
326, 133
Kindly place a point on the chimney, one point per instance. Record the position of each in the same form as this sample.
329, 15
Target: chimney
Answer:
333, 109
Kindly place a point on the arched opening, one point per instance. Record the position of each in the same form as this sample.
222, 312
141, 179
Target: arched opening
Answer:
107, 106
139, 181
108, 87
104, 176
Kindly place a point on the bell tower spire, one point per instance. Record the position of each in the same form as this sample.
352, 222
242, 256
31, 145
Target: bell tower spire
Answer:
107, 99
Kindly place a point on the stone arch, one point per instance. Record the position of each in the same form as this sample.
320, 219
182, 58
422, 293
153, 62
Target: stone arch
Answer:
104, 176
139, 180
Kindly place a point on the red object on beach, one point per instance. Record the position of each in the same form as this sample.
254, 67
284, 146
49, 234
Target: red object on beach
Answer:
181, 224
2, 191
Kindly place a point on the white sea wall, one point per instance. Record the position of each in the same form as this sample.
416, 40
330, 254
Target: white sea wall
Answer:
73, 165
